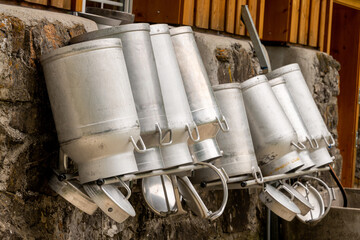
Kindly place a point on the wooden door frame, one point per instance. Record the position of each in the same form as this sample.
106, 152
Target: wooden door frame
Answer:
345, 47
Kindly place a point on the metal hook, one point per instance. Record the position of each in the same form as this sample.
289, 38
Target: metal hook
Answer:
136, 146
224, 127
311, 140
332, 141
303, 147
255, 172
63, 161
127, 188
190, 132
161, 137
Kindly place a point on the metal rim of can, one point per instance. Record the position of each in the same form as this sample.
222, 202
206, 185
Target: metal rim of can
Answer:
251, 82
283, 70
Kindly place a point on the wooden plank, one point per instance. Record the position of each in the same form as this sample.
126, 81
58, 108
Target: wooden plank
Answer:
329, 27
260, 17
322, 24
158, 11
218, 15
76, 5
239, 25
202, 13
63, 4
294, 21
276, 20
230, 16
41, 2
314, 23
188, 12
345, 47
252, 9
304, 22
355, 4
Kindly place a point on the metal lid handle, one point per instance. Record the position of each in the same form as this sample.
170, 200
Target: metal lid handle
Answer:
214, 215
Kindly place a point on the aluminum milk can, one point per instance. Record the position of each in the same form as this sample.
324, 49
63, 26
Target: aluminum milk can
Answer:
304, 140
238, 151
93, 107
177, 108
205, 111
308, 110
272, 134
145, 85
304, 101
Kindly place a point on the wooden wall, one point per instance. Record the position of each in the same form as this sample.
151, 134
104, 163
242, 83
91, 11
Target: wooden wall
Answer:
305, 22
73, 5
222, 15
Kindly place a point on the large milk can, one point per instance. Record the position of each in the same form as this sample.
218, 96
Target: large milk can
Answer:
237, 146
93, 107
177, 108
144, 82
287, 103
273, 136
205, 111
308, 110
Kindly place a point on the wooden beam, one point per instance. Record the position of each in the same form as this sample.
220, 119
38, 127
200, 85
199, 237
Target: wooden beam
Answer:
218, 15
322, 26
188, 12
345, 47
41, 2
252, 9
314, 23
304, 22
239, 25
76, 5
355, 4
329, 27
260, 17
294, 21
202, 13
276, 20
230, 16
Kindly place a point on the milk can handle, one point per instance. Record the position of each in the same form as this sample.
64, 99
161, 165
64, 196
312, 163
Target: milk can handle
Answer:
287, 190
161, 137
301, 147
136, 146
311, 141
223, 123
214, 215
332, 141
190, 132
